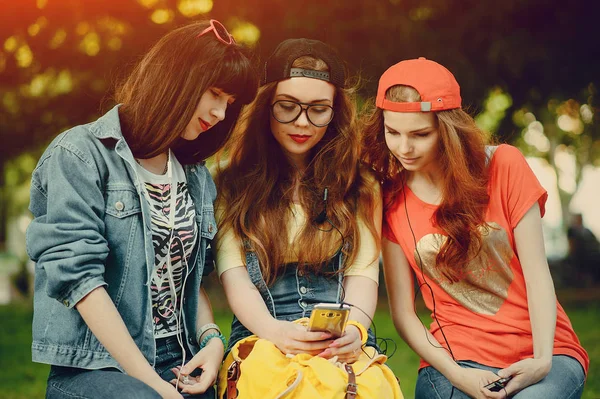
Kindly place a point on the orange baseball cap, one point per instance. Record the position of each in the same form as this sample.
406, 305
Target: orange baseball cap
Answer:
437, 86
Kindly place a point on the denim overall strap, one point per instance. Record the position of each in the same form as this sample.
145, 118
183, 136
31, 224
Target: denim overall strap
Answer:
340, 264
238, 330
371, 339
257, 279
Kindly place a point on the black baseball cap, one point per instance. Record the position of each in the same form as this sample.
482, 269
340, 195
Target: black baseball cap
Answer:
279, 65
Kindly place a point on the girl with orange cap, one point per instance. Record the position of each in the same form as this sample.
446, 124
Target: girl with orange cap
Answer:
465, 219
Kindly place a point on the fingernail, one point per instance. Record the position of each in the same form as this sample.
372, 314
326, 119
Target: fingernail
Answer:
325, 335
334, 344
325, 353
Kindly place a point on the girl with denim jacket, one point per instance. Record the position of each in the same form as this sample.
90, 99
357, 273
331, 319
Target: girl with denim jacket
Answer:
123, 213
298, 219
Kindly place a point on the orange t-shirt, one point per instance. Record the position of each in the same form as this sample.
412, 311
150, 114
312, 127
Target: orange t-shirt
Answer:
484, 316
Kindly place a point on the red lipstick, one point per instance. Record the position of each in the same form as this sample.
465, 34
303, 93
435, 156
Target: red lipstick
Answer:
299, 138
204, 125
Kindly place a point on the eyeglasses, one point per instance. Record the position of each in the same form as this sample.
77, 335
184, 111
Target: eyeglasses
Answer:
287, 111
220, 32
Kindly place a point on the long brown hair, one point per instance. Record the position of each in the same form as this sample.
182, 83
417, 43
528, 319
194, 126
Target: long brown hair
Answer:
463, 161
256, 187
161, 94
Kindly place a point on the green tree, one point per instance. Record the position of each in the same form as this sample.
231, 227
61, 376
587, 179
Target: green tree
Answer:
60, 59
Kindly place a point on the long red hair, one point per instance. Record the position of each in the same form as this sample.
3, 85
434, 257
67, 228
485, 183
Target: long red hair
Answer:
463, 161
256, 186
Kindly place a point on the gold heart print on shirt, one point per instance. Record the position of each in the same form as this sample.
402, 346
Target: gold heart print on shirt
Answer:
484, 287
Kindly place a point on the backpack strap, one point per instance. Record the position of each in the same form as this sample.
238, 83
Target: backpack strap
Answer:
233, 375
351, 388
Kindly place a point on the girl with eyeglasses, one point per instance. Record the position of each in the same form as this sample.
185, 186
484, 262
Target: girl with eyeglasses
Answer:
123, 213
299, 221
464, 219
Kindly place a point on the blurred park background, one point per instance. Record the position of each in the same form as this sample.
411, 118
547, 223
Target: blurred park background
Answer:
529, 70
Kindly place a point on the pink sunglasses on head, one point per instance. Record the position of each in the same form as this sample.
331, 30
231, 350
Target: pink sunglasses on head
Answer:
220, 32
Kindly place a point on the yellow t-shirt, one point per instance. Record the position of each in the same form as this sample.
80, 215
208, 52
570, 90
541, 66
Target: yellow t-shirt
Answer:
366, 262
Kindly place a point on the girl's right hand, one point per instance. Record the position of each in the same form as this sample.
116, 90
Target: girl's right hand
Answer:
472, 381
292, 338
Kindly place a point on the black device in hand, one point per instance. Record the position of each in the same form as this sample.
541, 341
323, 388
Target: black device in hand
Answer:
498, 384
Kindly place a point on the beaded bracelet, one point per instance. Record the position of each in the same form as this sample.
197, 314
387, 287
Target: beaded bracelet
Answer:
205, 328
212, 335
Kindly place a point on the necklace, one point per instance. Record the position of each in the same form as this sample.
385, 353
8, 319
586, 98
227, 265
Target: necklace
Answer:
166, 163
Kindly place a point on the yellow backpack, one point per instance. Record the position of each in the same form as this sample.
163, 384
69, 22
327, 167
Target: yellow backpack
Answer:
256, 369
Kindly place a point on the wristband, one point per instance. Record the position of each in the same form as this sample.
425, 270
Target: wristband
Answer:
363, 331
205, 328
212, 335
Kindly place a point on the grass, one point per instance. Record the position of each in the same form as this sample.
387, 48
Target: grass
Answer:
22, 379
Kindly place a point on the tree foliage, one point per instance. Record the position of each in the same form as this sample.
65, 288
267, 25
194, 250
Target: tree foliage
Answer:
535, 50
59, 59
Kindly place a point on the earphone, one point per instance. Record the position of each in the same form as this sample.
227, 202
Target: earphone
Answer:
381, 342
425, 283
179, 316
178, 313
171, 226
173, 191
322, 217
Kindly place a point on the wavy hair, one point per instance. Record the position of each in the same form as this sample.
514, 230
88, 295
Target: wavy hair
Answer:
162, 92
257, 185
463, 161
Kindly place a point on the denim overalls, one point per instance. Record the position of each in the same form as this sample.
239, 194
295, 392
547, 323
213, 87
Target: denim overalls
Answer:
294, 293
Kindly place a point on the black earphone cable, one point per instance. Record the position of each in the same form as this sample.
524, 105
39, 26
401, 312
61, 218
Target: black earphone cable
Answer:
381, 342
426, 284
320, 219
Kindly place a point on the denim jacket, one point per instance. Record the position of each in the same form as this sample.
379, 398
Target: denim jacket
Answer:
92, 228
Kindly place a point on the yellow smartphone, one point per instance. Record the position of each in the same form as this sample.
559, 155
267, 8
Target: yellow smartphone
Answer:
329, 317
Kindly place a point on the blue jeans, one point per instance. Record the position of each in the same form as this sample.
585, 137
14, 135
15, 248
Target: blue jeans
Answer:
76, 383
564, 381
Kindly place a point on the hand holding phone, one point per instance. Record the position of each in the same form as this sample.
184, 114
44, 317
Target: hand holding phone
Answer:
329, 317
497, 385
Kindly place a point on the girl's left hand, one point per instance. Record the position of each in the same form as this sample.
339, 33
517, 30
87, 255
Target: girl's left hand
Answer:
525, 373
209, 360
347, 348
